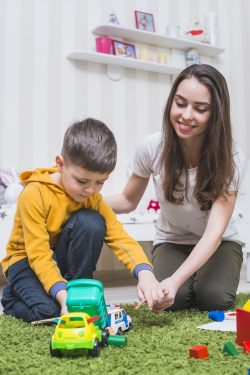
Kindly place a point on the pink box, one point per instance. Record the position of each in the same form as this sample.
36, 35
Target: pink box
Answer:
104, 44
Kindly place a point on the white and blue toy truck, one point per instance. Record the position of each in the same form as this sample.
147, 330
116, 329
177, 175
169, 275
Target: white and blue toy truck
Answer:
118, 320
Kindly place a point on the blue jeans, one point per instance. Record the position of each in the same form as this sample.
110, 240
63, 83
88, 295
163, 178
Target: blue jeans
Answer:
76, 253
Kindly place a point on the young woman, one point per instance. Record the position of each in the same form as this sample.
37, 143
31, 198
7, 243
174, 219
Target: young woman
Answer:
196, 170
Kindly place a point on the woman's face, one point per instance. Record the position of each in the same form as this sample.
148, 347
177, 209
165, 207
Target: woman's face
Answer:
190, 110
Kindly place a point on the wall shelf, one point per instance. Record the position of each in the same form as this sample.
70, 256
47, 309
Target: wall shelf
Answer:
161, 40
115, 64
126, 62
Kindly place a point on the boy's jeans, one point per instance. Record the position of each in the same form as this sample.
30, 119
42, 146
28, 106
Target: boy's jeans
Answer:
76, 253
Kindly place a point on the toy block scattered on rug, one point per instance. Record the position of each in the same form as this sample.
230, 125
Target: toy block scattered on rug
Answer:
246, 346
198, 352
216, 315
242, 326
247, 306
230, 349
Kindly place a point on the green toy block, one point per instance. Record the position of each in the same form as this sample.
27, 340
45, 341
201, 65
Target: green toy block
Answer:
230, 349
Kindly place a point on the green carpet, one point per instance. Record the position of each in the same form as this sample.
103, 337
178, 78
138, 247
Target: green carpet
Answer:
158, 344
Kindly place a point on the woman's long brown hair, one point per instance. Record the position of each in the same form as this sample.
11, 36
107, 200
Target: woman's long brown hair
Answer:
216, 166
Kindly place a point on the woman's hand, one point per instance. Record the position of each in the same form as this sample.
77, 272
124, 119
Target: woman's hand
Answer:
149, 289
169, 289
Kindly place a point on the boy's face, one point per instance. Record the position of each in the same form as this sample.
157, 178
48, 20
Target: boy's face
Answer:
79, 183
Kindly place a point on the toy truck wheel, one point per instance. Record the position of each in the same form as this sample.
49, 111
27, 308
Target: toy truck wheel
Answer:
95, 352
119, 331
105, 335
54, 352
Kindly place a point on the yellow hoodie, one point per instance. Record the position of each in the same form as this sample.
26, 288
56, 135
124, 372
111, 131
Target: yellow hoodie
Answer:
43, 208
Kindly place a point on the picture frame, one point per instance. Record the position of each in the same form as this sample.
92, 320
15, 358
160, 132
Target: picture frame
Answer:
123, 49
144, 21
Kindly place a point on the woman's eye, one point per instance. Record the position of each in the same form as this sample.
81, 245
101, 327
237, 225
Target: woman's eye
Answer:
180, 104
201, 110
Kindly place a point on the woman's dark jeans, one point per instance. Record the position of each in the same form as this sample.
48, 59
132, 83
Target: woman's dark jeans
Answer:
76, 253
213, 286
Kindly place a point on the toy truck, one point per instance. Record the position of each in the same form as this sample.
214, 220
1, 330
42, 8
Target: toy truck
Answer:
87, 295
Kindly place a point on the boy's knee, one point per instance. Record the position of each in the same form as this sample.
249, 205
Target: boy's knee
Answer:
211, 298
91, 219
45, 310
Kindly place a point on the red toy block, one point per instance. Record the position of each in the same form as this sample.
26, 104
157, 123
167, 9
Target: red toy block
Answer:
198, 352
246, 346
242, 326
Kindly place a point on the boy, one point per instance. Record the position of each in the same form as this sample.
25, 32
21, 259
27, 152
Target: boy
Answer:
60, 225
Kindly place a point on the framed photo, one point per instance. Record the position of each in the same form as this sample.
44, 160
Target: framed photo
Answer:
144, 21
123, 49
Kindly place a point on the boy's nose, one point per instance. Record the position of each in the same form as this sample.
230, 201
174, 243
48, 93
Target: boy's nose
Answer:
90, 190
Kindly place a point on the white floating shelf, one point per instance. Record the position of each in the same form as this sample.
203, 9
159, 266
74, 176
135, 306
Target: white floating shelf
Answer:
126, 62
161, 40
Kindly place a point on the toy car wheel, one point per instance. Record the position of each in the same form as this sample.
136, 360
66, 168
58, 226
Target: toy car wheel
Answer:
119, 331
130, 326
95, 352
54, 352
105, 335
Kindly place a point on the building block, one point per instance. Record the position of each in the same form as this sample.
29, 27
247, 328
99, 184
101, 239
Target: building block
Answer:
216, 315
242, 326
198, 352
246, 346
247, 306
248, 372
230, 349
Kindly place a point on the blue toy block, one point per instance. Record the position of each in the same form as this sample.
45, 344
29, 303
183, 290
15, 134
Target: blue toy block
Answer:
216, 315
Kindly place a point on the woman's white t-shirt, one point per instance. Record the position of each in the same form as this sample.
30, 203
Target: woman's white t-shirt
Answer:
185, 223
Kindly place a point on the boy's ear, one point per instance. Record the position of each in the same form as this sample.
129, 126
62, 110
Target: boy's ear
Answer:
59, 163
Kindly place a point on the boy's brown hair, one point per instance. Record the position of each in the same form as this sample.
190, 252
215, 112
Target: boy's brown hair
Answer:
91, 145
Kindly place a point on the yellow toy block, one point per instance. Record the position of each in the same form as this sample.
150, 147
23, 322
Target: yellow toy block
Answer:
247, 306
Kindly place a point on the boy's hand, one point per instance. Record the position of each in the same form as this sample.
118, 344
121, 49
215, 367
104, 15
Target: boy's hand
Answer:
61, 298
149, 289
169, 289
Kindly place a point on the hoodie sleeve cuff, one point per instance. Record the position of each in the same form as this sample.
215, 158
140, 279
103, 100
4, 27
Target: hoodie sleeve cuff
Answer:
56, 288
141, 267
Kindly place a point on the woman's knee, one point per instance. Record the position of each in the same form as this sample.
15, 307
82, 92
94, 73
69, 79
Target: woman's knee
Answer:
183, 299
211, 298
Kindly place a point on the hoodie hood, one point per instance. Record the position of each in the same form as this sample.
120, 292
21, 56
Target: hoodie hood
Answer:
41, 175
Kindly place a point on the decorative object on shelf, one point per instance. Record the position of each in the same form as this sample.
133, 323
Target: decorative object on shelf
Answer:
143, 54
192, 57
112, 18
173, 31
123, 49
104, 45
162, 57
196, 31
144, 21
211, 27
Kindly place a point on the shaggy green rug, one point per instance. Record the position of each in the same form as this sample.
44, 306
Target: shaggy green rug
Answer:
158, 344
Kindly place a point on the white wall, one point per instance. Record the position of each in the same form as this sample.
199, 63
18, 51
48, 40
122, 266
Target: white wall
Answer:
42, 92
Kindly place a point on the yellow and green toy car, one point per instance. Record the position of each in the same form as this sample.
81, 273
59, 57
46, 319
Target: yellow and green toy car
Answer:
77, 331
